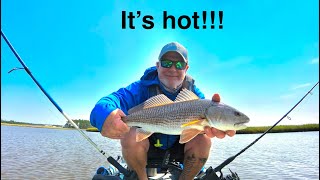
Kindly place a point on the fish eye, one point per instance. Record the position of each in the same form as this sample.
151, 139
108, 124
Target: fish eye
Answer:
237, 113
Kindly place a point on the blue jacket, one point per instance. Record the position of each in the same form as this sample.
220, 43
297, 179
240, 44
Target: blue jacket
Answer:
130, 96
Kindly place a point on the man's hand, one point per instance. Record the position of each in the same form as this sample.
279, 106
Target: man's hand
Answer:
213, 132
113, 127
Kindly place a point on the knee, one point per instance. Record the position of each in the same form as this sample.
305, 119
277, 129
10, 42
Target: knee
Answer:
129, 141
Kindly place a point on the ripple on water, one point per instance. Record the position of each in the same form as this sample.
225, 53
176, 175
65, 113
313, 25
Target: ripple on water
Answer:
34, 153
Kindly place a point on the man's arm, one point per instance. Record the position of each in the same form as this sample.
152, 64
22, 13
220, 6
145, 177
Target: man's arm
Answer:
107, 113
198, 92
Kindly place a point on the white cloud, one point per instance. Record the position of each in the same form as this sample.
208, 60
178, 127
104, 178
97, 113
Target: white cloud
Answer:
301, 86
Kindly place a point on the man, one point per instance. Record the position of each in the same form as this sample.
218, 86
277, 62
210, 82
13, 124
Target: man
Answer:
168, 77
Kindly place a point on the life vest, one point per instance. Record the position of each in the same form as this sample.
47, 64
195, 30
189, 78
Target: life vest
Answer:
158, 139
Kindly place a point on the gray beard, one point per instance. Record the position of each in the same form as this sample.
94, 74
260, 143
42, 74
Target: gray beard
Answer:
171, 90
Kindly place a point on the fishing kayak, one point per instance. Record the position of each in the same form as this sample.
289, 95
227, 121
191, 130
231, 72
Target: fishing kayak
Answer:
105, 173
169, 172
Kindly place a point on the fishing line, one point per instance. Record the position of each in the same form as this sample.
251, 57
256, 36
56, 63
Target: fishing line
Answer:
230, 159
109, 158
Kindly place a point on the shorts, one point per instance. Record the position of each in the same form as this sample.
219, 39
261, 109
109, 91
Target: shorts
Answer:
157, 156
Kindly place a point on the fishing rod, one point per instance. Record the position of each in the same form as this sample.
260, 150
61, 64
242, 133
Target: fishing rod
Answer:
110, 159
230, 159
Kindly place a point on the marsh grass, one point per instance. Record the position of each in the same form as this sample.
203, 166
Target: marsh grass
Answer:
280, 128
33, 126
248, 130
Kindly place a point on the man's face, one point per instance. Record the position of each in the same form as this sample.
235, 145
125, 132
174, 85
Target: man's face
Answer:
171, 77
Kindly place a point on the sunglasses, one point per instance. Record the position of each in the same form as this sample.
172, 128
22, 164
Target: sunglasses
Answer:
166, 63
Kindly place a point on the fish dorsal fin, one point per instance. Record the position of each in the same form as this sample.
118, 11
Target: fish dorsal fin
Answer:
186, 95
154, 101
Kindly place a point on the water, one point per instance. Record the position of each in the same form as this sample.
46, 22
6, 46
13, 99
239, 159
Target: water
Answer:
38, 153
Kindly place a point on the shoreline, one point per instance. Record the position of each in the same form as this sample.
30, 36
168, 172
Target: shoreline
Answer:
248, 130
35, 126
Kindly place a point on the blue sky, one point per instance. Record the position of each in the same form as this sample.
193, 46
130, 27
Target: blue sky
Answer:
262, 62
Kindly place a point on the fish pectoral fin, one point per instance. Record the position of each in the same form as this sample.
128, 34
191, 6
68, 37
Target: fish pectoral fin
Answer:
194, 122
188, 134
154, 101
186, 95
142, 134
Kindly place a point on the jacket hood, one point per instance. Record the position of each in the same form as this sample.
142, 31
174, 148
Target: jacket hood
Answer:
150, 76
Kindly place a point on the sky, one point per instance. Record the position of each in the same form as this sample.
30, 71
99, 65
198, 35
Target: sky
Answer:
262, 62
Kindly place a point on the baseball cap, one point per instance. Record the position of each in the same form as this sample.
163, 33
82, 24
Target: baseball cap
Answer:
176, 47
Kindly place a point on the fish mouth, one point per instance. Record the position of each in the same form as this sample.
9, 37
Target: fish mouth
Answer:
242, 123
239, 124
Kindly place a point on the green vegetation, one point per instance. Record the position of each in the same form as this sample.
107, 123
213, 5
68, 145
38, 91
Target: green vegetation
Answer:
85, 124
280, 128
81, 123
24, 123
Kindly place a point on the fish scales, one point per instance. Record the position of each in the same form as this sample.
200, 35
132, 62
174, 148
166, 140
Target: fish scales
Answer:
186, 116
168, 117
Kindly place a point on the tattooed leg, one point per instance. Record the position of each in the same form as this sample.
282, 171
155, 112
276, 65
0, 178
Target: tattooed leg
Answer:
196, 153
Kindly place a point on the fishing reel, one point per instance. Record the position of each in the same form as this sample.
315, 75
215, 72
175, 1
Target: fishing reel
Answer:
205, 174
210, 174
